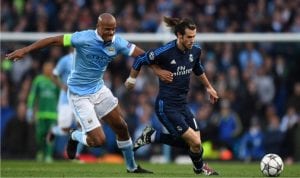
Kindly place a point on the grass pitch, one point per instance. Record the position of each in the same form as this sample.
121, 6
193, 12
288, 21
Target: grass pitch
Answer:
70, 169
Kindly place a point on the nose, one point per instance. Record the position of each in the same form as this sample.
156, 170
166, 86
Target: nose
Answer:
111, 32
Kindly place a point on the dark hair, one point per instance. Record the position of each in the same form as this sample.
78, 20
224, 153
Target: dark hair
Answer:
179, 25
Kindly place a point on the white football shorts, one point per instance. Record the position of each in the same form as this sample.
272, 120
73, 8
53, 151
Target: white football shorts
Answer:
65, 116
89, 108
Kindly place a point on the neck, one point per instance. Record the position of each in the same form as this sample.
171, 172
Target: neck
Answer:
180, 46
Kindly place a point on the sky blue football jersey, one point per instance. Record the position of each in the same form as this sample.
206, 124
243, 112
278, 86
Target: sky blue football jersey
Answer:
92, 55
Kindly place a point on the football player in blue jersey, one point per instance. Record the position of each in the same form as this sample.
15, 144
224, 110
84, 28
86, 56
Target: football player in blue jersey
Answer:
66, 117
180, 57
90, 99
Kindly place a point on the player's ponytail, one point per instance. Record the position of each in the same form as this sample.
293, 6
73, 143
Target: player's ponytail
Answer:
179, 25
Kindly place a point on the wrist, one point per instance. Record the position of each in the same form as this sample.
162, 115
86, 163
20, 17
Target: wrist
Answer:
131, 80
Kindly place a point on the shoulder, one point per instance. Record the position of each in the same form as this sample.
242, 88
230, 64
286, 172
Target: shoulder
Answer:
64, 59
81, 37
122, 43
118, 37
197, 46
83, 34
38, 78
196, 49
165, 48
120, 40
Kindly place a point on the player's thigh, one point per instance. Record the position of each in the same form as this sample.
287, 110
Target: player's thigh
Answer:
192, 137
84, 112
171, 118
117, 123
190, 118
104, 101
65, 116
107, 109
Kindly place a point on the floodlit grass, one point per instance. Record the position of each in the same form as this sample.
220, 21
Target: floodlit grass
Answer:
71, 169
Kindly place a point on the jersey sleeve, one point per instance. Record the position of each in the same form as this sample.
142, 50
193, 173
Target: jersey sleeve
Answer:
76, 39
198, 68
59, 68
67, 40
147, 58
123, 46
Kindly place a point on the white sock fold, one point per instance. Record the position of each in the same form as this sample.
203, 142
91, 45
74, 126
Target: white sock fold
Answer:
80, 137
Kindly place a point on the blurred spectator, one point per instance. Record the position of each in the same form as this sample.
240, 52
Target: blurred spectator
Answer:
16, 135
145, 114
251, 146
296, 24
280, 76
19, 68
43, 99
229, 125
273, 135
7, 111
209, 130
294, 99
233, 78
250, 56
265, 86
214, 15
227, 57
196, 101
248, 103
288, 126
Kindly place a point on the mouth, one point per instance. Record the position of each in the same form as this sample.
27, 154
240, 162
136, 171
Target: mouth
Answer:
108, 38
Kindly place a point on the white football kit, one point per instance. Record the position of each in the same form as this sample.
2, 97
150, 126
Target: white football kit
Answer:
62, 70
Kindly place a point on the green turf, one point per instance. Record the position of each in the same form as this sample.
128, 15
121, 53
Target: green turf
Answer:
71, 169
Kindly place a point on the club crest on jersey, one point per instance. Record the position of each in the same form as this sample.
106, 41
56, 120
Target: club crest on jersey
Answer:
129, 45
191, 59
110, 49
151, 55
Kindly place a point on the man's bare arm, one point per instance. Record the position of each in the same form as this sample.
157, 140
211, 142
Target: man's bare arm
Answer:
20, 53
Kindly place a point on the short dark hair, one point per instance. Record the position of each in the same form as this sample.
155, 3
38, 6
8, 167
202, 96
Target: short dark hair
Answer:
179, 25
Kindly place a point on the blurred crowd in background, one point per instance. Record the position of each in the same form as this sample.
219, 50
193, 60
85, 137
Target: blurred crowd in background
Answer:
258, 83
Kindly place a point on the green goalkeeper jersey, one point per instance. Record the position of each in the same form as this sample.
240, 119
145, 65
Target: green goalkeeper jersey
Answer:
43, 97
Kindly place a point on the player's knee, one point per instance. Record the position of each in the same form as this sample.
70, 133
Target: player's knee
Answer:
196, 145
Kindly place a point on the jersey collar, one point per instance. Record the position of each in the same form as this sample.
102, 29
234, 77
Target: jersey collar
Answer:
100, 38
181, 51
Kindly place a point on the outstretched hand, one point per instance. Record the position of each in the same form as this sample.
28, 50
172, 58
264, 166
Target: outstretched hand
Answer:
16, 55
213, 96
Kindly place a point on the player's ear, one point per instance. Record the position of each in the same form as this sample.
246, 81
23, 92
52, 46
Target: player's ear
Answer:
179, 35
